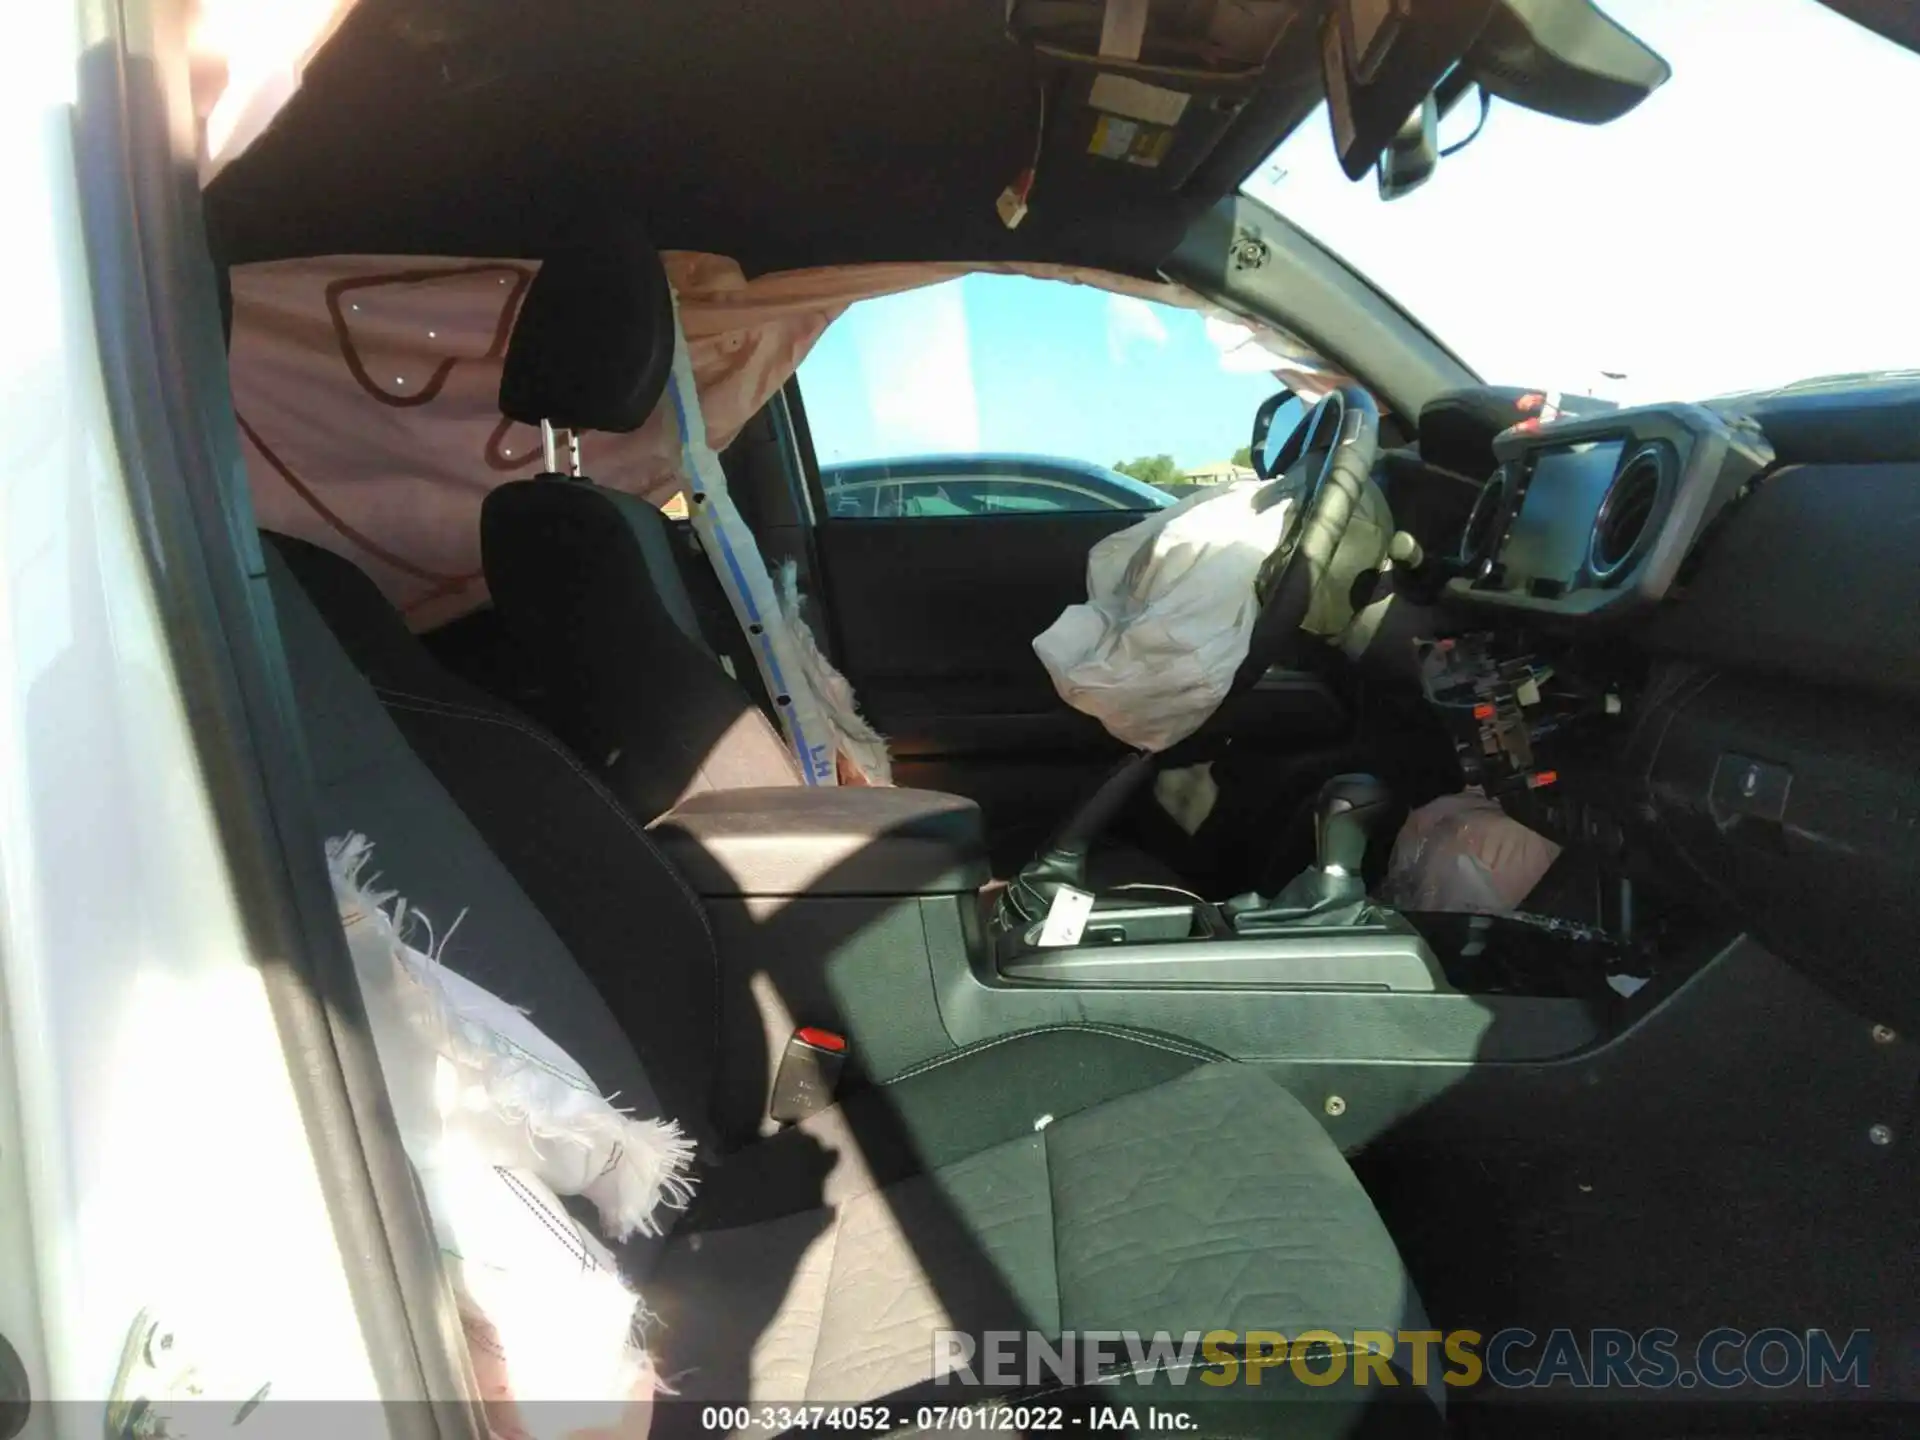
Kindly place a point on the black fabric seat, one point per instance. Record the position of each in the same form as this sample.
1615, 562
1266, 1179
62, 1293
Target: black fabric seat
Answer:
1075, 1178
585, 579
586, 582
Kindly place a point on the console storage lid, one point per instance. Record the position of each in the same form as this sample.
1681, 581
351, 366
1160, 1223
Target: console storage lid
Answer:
797, 840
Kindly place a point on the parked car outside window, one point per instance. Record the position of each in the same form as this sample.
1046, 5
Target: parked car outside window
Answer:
953, 485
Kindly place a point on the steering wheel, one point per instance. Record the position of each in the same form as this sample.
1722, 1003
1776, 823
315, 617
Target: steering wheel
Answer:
1326, 467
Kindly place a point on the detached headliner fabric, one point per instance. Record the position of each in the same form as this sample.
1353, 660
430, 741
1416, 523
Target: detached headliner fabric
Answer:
367, 392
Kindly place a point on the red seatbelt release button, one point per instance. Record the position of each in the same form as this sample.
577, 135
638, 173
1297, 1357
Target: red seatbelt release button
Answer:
808, 1076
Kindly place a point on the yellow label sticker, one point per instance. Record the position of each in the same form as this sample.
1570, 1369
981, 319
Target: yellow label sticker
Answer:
1112, 137
1150, 146
1130, 140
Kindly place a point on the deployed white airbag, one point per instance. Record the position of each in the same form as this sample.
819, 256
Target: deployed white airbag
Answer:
1169, 615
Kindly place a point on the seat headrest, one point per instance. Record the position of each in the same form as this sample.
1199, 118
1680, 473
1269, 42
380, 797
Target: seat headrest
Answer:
593, 344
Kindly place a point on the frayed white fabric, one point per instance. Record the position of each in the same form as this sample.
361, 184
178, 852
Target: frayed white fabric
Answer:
465, 1067
499, 1122
864, 746
547, 1316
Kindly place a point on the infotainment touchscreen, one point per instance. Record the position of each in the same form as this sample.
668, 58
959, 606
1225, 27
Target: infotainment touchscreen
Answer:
1549, 537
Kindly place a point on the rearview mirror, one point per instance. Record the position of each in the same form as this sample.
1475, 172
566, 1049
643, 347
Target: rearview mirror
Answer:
1411, 156
1380, 58
1273, 425
1566, 58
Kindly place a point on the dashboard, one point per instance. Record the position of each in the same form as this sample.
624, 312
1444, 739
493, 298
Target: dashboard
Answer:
1747, 738
1591, 518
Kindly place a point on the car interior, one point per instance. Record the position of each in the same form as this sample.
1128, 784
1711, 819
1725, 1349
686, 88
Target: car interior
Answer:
1675, 1088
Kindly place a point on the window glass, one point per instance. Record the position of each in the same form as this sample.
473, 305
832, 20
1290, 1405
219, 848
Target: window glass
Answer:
1028, 396
1025, 497
1744, 227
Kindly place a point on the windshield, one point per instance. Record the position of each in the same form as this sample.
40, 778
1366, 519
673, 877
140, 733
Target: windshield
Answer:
1747, 226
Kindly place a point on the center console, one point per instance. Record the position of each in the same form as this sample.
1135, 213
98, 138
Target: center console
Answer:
868, 912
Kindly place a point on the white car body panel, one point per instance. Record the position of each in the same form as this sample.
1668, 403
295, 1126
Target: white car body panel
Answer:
152, 1150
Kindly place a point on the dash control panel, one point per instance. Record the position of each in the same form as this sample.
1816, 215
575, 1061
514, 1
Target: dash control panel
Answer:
1504, 712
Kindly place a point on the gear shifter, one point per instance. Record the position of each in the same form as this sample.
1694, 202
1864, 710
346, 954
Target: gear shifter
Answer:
1346, 813
1063, 862
1333, 891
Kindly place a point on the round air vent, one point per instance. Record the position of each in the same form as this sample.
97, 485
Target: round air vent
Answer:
1484, 522
1625, 523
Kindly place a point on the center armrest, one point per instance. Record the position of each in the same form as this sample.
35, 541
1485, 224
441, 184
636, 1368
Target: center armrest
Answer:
848, 840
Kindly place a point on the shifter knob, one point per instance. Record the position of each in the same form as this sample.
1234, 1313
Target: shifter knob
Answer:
1346, 813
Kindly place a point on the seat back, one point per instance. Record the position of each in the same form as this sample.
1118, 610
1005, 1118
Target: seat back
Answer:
586, 584
570, 908
584, 580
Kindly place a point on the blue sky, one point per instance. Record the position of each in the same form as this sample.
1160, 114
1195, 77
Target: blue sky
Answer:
1750, 224
999, 362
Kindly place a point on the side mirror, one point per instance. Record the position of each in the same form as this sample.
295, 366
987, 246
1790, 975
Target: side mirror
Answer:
1273, 425
1412, 155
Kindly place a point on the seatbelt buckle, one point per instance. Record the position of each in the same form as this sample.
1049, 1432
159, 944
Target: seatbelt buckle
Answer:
808, 1076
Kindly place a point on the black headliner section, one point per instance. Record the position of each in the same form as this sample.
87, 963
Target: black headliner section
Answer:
783, 133
790, 134
1898, 20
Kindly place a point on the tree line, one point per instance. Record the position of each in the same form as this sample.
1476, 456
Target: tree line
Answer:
1162, 470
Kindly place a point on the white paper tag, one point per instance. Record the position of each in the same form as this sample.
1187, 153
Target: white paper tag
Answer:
1137, 100
1066, 918
1123, 29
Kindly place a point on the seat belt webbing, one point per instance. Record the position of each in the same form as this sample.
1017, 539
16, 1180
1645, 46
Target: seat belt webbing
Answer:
735, 556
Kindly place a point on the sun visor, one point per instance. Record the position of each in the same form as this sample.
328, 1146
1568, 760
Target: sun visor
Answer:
1136, 97
1567, 58
246, 58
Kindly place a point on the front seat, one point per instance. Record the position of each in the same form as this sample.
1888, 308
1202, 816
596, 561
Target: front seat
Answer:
1075, 1179
585, 579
